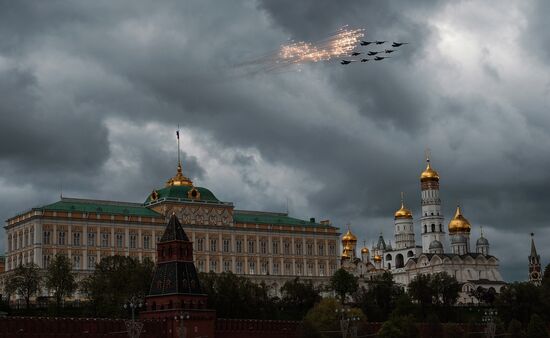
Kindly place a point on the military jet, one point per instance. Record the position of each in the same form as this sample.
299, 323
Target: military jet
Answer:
372, 53
346, 62
380, 42
388, 51
365, 43
378, 58
397, 44
356, 53
364, 60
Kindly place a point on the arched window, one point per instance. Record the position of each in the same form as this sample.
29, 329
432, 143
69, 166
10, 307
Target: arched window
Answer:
425, 228
389, 265
440, 228
410, 254
388, 257
433, 227
399, 261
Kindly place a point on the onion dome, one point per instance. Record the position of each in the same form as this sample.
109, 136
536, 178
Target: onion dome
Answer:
482, 241
435, 244
403, 212
429, 174
459, 223
377, 258
349, 238
365, 250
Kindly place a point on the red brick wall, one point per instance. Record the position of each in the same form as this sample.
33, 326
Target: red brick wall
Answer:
247, 328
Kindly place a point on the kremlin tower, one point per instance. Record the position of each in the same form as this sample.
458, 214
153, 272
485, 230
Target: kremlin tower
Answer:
432, 218
404, 231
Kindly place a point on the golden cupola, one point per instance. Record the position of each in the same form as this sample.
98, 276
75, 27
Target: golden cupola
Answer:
365, 250
179, 179
403, 212
377, 258
459, 223
429, 174
349, 239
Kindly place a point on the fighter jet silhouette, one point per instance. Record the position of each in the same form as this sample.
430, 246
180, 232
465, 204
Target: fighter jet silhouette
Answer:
379, 42
356, 53
365, 43
397, 44
364, 60
346, 62
378, 58
372, 53
388, 51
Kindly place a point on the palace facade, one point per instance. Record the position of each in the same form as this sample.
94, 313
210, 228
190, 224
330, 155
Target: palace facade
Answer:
264, 246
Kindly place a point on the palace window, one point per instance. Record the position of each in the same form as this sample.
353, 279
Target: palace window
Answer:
310, 269
47, 237
332, 269
104, 239
264, 268
213, 244
76, 238
309, 249
200, 244
9, 245
239, 267
61, 238
226, 245
214, 266
46, 261
146, 241
119, 240
26, 238
76, 262
91, 239
226, 266
251, 268
91, 262
263, 247
299, 268
321, 269
321, 249
298, 249
239, 246
275, 268
201, 266
251, 246
133, 241
288, 268
275, 247
287, 247
20, 241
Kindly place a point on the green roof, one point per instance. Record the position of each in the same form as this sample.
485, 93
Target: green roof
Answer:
100, 207
258, 217
180, 193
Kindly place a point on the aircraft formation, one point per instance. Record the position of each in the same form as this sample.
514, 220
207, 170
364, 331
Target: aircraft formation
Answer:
375, 55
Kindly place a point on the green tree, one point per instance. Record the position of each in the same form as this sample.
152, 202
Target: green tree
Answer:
60, 279
25, 282
343, 283
380, 297
115, 280
537, 327
238, 297
325, 316
519, 301
298, 297
445, 288
420, 289
399, 327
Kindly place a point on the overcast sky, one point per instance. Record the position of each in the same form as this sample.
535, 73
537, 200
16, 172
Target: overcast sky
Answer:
91, 93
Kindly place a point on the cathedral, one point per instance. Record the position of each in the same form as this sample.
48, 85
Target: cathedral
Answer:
472, 267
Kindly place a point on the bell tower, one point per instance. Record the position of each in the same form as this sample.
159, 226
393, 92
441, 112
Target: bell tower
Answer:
431, 220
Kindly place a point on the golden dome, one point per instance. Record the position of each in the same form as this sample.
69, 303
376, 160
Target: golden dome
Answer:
429, 174
377, 258
179, 179
403, 212
349, 238
365, 250
459, 223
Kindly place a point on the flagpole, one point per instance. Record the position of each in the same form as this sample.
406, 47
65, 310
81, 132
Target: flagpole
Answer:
178, 136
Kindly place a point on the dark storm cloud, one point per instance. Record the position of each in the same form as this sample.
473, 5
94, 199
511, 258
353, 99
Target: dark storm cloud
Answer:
81, 82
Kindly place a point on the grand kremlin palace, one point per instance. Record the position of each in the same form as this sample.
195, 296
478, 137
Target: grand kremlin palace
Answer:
264, 246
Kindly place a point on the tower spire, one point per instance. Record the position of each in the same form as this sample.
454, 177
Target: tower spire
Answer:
179, 179
178, 137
